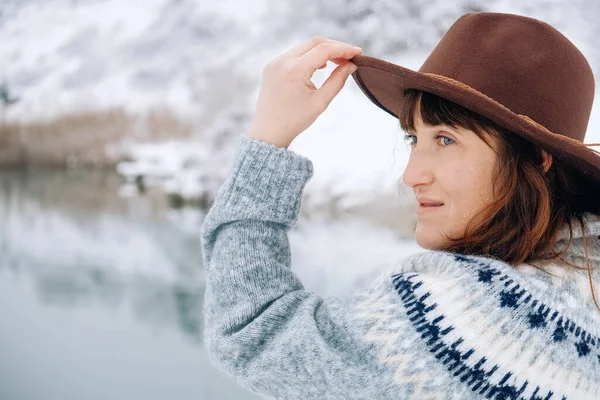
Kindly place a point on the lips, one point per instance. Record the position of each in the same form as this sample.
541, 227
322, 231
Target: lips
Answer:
427, 205
427, 202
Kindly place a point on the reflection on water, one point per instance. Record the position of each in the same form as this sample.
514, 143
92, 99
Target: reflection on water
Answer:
101, 297
151, 302
98, 294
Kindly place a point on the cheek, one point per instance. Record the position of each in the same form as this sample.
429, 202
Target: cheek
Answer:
469, 189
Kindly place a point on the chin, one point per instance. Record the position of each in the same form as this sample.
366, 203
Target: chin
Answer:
428, 240
429, 245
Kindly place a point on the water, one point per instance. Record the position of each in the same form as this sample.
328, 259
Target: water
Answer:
101, 296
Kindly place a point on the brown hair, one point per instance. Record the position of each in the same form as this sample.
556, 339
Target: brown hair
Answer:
523, 222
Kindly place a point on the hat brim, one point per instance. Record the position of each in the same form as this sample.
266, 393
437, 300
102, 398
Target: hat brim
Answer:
384, 82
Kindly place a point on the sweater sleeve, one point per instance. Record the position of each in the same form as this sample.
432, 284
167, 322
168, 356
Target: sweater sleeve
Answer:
437, 326
262, 327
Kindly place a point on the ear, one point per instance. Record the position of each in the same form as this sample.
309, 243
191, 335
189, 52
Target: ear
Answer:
547, 160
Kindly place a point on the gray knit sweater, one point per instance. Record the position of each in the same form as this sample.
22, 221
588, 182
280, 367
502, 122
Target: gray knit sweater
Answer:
436, 326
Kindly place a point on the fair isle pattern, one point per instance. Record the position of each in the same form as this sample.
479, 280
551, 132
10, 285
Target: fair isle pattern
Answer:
539, 314
487, 380
375, 312
477, 377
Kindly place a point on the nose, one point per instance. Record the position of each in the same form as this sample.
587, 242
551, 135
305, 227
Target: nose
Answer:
419, 170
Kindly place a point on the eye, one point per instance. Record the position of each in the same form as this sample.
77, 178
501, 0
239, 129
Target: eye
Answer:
410, 139
446, 141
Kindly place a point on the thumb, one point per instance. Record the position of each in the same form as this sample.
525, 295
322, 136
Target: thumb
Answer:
336, 80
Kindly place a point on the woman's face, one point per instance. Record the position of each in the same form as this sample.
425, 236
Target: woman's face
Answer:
451, 173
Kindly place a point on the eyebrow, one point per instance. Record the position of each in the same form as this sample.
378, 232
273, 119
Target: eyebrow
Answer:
451, 129
447, 128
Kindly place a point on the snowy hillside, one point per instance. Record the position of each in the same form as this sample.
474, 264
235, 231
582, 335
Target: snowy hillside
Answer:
202, 60
197, 56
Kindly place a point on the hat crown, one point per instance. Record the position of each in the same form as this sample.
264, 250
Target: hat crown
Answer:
523, 63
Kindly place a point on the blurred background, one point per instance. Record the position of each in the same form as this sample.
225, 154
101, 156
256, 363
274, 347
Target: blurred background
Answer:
118, 123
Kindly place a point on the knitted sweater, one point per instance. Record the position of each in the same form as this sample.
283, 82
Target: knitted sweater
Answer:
436, 326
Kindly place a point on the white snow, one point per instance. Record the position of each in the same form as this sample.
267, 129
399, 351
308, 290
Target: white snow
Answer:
203, 61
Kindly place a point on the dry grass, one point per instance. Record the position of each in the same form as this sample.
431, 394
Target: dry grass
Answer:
81, 139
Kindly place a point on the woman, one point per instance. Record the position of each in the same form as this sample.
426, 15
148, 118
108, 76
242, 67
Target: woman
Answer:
501, 306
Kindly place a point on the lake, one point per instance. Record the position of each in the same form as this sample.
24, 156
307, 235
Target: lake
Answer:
101, 293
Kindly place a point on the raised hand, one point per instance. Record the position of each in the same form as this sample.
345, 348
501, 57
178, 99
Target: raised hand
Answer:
288, 101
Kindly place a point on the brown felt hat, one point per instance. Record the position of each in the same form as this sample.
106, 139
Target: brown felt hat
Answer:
519, 72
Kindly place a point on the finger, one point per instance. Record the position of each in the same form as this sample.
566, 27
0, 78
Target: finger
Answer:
337, 61
335, 82
324, 52
306, 46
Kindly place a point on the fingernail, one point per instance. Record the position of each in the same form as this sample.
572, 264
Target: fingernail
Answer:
352, 69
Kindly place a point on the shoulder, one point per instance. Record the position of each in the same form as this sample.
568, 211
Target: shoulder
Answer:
443, 265
493, 324
475, 289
